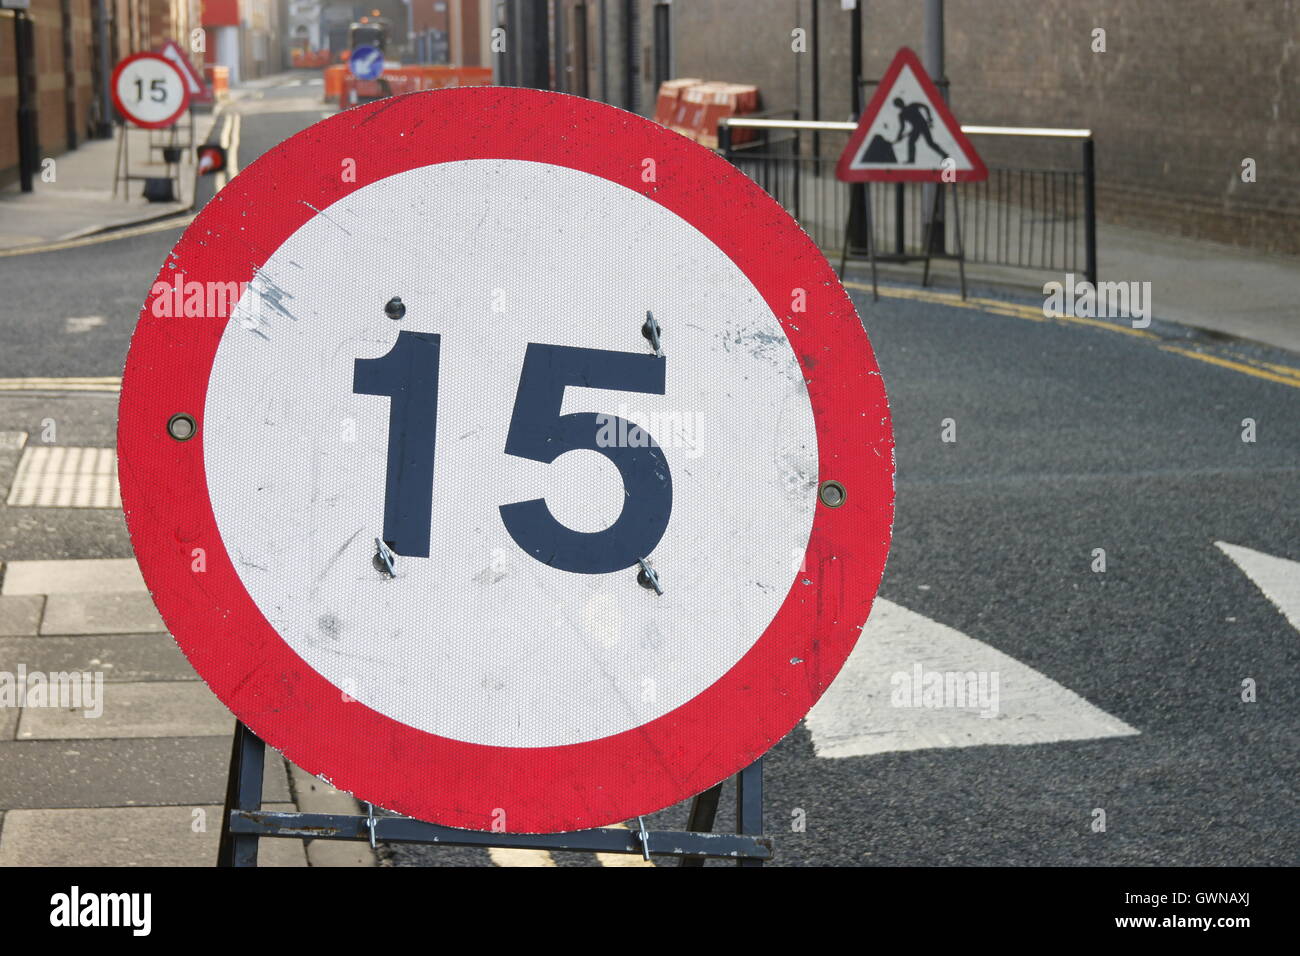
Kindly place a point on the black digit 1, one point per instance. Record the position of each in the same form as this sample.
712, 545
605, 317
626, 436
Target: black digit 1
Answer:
139, 90
408, 377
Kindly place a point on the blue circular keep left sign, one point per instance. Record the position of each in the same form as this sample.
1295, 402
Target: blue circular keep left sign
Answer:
366, 63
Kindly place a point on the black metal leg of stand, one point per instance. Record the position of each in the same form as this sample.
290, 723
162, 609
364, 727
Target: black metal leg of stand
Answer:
243, 792
117, 167
961, 250
749, 804
929, 236
871, 242
704, 810
848, 225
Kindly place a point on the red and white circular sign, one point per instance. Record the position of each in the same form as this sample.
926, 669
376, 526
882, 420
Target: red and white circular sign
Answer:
417, 332
149, 91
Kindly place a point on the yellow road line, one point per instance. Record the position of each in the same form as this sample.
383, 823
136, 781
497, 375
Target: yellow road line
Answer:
1281, 374
1280, 369
1235, 366
1108, 326
182, 220
1015, 310
221, 178
232, 146
75, 384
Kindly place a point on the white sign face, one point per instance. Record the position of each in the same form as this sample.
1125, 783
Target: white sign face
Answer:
507, 263
149, 90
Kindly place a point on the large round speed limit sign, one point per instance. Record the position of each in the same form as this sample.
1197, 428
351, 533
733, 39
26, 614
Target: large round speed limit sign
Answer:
506, 459
149, 91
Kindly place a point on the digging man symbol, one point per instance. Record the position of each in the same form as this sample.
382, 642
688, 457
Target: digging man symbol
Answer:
920, 119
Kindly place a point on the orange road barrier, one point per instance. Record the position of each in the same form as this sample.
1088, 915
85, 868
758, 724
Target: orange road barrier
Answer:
334, 81
218, 79
407, 79
310, 58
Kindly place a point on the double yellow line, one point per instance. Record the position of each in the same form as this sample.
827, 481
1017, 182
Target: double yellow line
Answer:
1268, 371
68, 384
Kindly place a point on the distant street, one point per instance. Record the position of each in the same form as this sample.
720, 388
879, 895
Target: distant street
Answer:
1068, 438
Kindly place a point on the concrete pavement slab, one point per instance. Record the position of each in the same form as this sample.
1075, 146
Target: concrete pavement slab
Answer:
93, 576
8, 722
121, 657
128, 836
313, 795
128, 613
20, 614
150, 771
143, 709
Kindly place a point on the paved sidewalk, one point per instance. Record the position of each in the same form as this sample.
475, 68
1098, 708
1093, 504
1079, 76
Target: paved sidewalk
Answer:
80, 199
126, 765
1220, 288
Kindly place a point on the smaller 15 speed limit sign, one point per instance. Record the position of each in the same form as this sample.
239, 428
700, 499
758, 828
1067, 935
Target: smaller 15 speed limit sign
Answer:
149, 91
506, 459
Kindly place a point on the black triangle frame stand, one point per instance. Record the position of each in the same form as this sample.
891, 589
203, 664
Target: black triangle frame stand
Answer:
927, 241
244, 822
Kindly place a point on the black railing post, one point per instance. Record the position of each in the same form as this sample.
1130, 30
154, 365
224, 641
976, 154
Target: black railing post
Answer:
29, 151
1090, 211
724, 139
796, 168
899, 240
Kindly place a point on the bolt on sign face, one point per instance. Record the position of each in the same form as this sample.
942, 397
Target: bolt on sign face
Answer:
149, 91
534, 470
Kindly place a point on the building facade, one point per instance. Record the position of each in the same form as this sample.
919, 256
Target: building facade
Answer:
72, 41
1181, 95
1178, 93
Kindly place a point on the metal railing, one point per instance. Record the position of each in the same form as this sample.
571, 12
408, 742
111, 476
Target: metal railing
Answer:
1036, 210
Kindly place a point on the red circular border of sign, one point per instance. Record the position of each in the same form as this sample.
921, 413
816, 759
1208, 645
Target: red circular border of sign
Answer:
121, 107
292, 707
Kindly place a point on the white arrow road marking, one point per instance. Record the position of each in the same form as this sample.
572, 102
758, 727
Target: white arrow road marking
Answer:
1278, 578
82, 323
891, 694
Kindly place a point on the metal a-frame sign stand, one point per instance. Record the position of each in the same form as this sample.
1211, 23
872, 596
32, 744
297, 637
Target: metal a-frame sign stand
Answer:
927, 241
849, 171
568, 768
244, 821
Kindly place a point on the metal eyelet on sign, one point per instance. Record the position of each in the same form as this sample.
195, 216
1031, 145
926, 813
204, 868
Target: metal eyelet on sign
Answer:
384, 558
648, 578
182, 427
652, 333
832, 494
395, 309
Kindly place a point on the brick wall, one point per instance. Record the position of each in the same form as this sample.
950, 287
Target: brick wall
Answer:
138, 25
48, 34
1184, 92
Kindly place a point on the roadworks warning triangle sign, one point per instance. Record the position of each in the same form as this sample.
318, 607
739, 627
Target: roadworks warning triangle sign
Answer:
906, 133
193, 78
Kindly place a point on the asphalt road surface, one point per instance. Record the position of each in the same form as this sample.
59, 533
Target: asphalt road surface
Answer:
1068, 438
